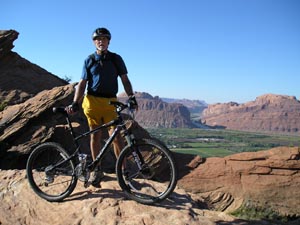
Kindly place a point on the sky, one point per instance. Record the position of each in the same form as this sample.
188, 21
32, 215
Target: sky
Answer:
213, 50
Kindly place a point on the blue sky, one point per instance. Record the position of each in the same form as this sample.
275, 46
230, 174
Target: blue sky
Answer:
212, 50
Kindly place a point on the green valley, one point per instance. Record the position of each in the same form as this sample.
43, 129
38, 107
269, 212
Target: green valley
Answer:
220, 142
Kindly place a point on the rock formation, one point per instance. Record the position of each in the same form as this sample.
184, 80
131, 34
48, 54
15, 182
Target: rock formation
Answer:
269, 113
23, 126
155, 113
269, 179
19, 78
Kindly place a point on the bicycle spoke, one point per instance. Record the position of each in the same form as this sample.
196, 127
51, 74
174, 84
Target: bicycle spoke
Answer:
49, 173
148, 179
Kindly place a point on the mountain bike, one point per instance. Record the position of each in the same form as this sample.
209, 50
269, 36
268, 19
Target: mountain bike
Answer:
145, 168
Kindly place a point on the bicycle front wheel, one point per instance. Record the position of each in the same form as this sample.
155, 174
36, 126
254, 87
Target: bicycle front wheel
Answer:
146, 171
49, 173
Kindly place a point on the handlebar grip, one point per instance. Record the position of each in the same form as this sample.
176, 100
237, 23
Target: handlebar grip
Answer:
59, 110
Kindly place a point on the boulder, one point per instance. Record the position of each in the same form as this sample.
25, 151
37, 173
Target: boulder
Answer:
24, 126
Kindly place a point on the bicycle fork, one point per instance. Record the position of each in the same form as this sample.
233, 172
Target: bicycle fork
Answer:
137, 156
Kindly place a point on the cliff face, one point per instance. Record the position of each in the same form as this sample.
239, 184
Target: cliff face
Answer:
270, 113
153, 112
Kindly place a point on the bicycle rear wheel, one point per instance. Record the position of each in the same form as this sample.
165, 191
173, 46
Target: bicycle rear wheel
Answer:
49, 174
146, 171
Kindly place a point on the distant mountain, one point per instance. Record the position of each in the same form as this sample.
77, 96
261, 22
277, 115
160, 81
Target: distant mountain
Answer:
194, 106
154, 112
268, 113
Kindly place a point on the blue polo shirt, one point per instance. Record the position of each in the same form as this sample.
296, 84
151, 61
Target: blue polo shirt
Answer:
101, 72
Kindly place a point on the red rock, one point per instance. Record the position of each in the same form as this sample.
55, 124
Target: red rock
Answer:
270, 113
270, 178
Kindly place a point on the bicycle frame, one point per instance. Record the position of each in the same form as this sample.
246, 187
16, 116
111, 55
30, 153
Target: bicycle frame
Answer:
119, 125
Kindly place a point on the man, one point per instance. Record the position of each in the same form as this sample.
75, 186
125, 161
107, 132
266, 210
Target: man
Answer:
100, 75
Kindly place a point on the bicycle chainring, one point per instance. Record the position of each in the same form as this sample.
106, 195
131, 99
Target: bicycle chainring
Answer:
82, 175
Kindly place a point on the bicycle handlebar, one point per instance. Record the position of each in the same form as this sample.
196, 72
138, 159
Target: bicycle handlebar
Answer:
119, 107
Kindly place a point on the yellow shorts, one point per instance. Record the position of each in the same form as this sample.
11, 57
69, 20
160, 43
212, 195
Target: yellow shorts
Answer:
98, 110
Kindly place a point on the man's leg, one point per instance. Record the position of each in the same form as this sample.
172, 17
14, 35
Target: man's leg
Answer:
95, 142
95, 145
118, 143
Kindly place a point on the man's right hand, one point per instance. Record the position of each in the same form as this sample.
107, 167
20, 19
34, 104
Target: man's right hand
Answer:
73, 108
132, 102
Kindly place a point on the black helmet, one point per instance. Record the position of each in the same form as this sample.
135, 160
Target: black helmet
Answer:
101, 32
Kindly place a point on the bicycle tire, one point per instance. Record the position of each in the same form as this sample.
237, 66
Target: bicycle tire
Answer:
155, 181
54, 185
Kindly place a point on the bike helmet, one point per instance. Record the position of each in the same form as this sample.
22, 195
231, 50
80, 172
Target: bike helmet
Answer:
101, 32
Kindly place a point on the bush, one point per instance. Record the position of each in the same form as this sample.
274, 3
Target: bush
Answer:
252, 211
